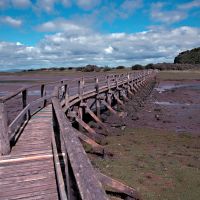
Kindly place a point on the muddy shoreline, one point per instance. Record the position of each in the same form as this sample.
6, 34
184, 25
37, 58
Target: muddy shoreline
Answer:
172, 106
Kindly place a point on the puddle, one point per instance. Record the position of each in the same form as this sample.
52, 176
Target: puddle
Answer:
170, 86
30, 93
37, 92
180, 130
4, 93
167, 103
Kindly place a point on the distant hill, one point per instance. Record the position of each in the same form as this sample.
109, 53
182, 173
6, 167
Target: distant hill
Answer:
188, 57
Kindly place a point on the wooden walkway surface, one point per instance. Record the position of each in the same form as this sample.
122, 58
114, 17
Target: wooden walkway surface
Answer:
28, 172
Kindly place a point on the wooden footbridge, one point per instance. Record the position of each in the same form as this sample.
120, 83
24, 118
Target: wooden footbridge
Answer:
43, 127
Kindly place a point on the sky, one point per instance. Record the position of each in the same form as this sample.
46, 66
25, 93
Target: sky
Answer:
63, 33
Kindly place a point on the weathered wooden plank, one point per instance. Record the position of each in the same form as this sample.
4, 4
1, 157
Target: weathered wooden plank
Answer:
118, 100
109, 107
25, 166
59, 175
30, 194
97, 120
27, 173
27, 185
96, 147
49, 196
118, 186
90, 130
25, 159
24, 179
89, 186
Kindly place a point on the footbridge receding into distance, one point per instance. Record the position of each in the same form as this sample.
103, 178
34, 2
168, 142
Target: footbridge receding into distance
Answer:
42, 131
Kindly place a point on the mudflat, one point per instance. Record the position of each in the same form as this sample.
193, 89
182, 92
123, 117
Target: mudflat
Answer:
156, 145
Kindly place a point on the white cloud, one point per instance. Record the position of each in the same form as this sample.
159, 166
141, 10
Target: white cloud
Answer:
62, 25
4, 4
38, 5
21, 3
169, 16
113, 10
66, 3
11, 21
181, 11
190, 5
49, 5
128, 7
45, 5
108, 50
62, 49
88, 4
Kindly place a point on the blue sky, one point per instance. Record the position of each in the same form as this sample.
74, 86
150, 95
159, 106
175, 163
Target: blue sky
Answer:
48, 33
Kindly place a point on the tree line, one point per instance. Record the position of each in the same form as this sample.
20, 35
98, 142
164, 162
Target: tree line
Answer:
95, 68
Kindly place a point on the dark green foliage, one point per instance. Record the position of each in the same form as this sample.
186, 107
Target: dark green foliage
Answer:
171, 66
137, 67
188, 57
120, 67
79, 69
150, 66
89, 68
106, 68
62, 68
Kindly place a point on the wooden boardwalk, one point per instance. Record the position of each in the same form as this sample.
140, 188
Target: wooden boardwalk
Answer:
28, 172
47, 159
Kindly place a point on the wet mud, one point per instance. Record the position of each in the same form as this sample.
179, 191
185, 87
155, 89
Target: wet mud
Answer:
172, 106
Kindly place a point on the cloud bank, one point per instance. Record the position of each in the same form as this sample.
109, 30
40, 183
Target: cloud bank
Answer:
75, 48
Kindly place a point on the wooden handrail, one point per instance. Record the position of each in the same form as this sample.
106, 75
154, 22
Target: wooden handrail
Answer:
65, 139
101, 85
89, 187
87, 180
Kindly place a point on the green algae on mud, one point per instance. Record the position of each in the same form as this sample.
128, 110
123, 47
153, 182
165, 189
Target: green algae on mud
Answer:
159, 164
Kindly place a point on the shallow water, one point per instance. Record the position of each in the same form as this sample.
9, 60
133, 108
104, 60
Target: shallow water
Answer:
170, 86
4, 93
167, 103
30, 93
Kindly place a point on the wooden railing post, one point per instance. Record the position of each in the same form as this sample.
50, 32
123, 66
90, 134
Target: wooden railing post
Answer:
24, 98
4, 137
108, 95
108, 82
81, 87
43, 93
81, 84
24, 101
97, 98
66, 95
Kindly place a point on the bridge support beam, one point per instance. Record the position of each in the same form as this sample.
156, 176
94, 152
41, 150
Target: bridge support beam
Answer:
119, 187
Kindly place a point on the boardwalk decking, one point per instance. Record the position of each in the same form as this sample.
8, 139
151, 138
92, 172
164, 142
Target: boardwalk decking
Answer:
28, 172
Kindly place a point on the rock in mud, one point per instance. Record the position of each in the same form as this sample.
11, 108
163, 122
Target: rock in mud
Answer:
157, 117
